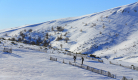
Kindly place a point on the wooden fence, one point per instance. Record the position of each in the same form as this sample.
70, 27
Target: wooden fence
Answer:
124, 78
7, 50
130, 67
99, 71
53, 59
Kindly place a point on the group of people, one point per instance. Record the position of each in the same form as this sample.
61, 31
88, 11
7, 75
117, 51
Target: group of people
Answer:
75, 59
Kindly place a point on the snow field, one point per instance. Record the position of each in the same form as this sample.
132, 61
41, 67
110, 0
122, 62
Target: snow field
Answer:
24, 64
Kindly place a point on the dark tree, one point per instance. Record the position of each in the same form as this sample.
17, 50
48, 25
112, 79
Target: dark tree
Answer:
30, 30
66, 39
52, 29
46, 35
19, 39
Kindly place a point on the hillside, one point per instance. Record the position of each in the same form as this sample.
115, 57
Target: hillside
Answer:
110, 34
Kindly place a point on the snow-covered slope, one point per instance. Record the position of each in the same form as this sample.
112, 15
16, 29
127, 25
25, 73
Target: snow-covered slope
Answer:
111, 33
26, 62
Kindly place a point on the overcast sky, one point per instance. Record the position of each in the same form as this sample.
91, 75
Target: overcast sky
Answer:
14, 13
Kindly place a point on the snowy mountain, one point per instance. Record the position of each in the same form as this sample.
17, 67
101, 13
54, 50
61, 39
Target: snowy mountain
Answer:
110, 34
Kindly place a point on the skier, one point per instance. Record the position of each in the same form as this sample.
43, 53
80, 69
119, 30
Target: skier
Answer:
82, 59
74, 59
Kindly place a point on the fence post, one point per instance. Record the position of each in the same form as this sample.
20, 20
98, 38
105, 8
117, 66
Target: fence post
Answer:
63, 61
124, 78
101, 71
115, 76
132, 66
110, 62
92, 69
102, 61
69, 62
109, 74
87, 67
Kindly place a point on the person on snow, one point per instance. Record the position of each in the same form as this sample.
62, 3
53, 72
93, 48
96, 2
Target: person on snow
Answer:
74, 59
82, 59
